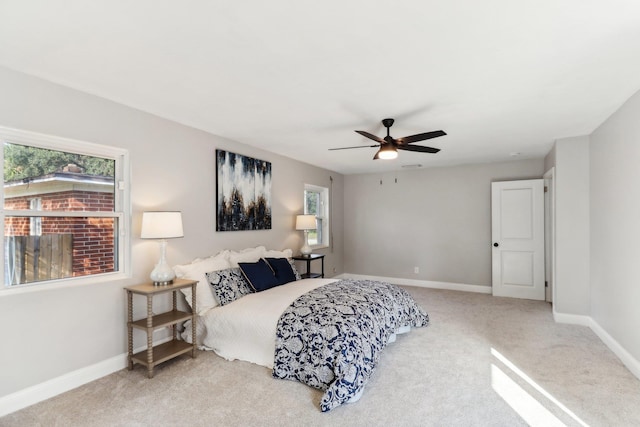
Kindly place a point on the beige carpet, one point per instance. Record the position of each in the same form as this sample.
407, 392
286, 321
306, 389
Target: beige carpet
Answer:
452, 373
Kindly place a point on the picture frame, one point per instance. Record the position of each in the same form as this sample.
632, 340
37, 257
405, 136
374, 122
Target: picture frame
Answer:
243, 192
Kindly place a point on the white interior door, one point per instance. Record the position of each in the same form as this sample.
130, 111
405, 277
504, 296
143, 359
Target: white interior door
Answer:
517, 229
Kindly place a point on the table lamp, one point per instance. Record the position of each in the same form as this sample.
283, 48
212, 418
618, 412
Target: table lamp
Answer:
306, 223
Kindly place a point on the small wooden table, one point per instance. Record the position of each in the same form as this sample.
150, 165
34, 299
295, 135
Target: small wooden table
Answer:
308, 259
155, 355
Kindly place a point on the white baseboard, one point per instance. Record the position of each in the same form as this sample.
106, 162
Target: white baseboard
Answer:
53, 387
43, 391
629, 361
422, 283
571, 319
625, 357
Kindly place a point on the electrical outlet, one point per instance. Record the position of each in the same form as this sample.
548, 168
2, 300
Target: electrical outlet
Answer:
416, 270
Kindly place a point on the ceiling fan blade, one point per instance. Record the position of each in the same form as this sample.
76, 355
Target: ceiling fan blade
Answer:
420, 137
370, 136
357, 146
418, 148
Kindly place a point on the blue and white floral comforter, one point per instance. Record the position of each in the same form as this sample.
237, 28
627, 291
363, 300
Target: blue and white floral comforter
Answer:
331, 337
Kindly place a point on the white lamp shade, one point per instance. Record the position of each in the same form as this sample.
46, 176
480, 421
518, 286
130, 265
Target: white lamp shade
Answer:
306, 222
161, 225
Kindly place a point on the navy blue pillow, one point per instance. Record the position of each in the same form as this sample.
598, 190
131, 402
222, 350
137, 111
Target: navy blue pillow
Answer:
259, 275
282, 269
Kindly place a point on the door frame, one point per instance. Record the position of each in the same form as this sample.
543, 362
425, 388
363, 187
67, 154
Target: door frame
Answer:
550, 233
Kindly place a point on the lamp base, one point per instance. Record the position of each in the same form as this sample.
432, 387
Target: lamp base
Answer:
163, 283
162, 274
306, 249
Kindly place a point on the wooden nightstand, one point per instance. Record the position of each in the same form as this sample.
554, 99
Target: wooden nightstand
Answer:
308, 259
155, 355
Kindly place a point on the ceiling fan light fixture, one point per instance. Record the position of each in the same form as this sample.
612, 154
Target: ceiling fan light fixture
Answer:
387, 152
388, 146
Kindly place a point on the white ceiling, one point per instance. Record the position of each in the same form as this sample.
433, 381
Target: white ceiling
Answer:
297, 77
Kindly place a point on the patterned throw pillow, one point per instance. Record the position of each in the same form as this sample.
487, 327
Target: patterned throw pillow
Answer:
228, 285
295, 270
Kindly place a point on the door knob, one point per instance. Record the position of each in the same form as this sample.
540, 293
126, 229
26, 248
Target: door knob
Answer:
496, 245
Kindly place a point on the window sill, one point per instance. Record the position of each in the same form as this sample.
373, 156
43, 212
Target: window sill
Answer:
61, 284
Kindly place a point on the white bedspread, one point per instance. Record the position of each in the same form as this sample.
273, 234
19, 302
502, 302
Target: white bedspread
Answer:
245, 329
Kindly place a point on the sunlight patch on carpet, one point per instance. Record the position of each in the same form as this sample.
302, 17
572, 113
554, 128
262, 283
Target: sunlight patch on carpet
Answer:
531, 410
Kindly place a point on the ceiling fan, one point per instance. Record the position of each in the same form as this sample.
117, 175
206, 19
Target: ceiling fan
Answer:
389, 146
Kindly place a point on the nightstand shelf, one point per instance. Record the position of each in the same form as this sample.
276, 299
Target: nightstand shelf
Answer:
162, 320
163, 352
156, 354
307, 259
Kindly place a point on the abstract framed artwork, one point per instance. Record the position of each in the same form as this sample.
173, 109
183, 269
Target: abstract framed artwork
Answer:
243, 199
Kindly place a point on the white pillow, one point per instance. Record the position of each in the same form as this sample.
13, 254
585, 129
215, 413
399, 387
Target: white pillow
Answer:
287, 253
246, 255
197, 271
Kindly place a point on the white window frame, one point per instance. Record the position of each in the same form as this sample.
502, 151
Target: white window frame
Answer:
35, 226
122, 206
323, 214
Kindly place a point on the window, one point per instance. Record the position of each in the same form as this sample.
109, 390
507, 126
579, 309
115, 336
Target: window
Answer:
316, 202
64, 209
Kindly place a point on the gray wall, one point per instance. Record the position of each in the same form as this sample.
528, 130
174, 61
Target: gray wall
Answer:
49, 333
438, 220
550, 159
597, 229
615, 225
571, 292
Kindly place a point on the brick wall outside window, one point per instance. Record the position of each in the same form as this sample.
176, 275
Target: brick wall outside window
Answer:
93, 238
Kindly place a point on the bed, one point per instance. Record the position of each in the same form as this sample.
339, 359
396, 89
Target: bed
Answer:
325, 333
